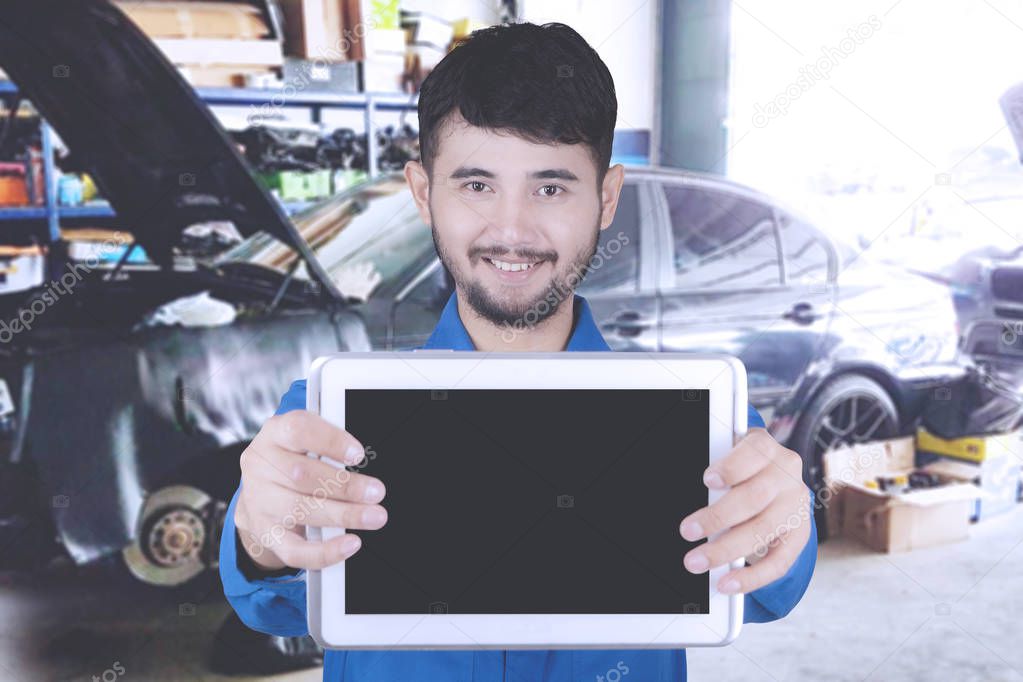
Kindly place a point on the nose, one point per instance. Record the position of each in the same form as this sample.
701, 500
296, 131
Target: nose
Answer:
512, 223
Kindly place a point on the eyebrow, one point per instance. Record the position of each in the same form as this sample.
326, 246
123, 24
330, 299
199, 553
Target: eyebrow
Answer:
554, 174
471, 172
548, 174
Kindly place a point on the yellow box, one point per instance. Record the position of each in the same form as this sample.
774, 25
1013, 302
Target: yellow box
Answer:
972, 448
464, 26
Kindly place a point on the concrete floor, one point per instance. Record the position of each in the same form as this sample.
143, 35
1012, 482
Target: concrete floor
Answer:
950, 613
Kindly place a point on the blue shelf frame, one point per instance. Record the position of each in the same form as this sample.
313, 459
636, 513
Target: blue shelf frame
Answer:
316, 102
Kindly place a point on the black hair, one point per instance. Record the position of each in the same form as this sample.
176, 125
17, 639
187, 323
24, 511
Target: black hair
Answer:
542, 83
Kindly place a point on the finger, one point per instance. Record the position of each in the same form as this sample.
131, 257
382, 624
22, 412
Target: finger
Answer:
750, 455
285, 507
310, 476
347, 515
779, 558
302, 431
740, 541
297, 552
739, 504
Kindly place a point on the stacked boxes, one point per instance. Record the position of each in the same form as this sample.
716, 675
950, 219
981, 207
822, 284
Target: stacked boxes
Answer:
891, 521
992, 462
212, 43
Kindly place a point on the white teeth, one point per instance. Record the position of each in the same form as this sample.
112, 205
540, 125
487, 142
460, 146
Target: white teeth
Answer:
510, 267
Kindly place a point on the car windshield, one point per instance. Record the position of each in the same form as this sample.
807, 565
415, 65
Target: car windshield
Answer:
364, 237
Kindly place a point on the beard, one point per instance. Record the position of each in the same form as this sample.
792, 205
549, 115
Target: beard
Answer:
530, 311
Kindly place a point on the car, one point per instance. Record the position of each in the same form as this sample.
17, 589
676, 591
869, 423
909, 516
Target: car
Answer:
838, 348
120, 434
973, 247
994, 334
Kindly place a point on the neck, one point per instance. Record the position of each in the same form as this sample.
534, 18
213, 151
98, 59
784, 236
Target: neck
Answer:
551, 335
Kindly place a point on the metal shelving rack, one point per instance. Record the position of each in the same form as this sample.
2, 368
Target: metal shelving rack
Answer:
316, 102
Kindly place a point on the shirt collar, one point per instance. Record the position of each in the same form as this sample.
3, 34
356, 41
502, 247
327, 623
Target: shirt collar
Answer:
450, 333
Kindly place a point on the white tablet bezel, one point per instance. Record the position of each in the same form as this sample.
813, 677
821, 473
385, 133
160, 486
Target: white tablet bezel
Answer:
723, 375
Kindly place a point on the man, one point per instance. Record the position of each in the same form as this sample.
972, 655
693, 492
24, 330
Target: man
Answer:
515, 132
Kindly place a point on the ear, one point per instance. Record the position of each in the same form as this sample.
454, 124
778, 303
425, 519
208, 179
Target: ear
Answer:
419, 182
610, 190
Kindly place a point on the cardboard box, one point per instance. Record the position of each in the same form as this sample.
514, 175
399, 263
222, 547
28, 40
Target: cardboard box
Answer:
315, 29
221, 75
990, 461
892, 522
833, 502
373, 29
427, 29
997, 478
202, 50
863, 461
382, 74
896, 523
230, 20
426, 56
208, 32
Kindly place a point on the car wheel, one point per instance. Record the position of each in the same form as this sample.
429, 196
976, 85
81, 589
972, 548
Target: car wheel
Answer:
176, 539
850, 409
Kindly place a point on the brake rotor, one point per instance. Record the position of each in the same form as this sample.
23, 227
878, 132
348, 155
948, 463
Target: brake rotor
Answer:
169, 545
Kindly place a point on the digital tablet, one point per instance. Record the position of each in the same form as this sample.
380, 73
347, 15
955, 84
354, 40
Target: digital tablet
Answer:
533, 499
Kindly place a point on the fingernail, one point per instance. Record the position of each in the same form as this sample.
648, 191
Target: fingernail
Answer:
350, 544
692, 530
374, 492
712, 479
374, 516
729, 586
353, 454
696, 561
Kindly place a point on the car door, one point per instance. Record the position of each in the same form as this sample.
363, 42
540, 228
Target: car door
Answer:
727, 287
620, 285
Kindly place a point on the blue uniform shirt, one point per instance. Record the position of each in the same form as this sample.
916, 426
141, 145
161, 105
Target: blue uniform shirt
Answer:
277, 605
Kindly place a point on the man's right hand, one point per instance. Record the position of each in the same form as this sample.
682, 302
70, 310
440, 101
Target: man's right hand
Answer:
283, 490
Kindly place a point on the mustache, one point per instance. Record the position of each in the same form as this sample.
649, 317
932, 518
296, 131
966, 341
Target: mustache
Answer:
477, 252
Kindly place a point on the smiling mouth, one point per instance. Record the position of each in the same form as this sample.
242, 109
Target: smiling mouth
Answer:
508, 266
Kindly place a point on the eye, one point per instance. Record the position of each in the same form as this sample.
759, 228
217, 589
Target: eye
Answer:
476, 186
551, 190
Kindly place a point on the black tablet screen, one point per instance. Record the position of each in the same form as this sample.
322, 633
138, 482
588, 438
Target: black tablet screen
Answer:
530, 501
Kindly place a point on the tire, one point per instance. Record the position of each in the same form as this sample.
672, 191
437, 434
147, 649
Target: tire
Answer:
826, 423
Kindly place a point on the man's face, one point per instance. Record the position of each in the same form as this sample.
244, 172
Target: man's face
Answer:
515, 222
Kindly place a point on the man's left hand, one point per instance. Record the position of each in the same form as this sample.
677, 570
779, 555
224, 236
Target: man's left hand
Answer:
765, 514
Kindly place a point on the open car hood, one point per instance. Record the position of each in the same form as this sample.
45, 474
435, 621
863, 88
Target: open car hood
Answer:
153, 147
